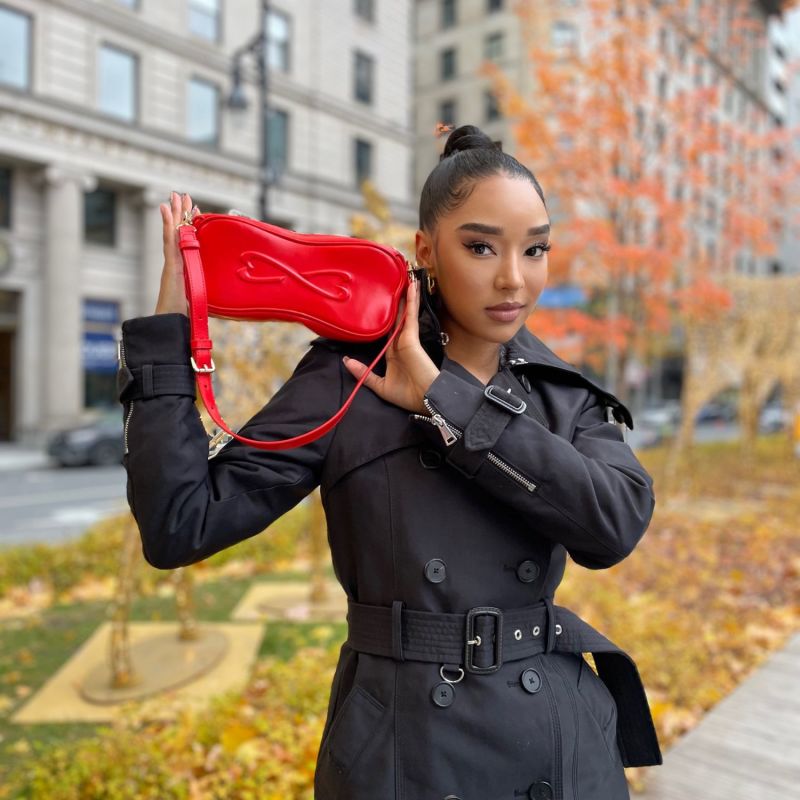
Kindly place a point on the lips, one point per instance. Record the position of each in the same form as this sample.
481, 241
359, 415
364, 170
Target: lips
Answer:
505, 307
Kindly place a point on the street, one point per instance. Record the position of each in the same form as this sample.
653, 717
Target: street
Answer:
52, 504
42, 503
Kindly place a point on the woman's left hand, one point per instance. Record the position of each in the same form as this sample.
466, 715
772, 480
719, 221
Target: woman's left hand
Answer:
409, 369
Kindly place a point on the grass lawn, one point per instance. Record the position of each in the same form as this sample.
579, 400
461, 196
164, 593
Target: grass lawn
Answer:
710, 593
32, 649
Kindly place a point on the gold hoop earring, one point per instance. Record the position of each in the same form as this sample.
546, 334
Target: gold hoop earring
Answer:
431, 283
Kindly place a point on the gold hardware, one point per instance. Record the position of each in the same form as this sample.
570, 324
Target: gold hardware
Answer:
209, 368
187, 219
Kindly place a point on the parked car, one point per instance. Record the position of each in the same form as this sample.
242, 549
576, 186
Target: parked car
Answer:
97, 441
714, 412
773, 418
665, 418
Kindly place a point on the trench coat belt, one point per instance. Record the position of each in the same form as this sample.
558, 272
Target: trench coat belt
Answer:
470, 640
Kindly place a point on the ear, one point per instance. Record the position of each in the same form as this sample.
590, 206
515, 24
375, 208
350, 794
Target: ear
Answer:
423, 248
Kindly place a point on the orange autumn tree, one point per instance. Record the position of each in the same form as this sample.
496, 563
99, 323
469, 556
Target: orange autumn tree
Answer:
654, 192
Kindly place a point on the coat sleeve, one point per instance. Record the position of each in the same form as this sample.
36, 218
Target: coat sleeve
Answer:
590, 494
188, 506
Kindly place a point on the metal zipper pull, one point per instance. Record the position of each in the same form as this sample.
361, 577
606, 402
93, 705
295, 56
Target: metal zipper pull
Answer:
448, 434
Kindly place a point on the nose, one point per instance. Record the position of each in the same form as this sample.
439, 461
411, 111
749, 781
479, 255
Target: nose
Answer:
509, 275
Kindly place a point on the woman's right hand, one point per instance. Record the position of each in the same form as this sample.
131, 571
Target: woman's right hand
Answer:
172, 294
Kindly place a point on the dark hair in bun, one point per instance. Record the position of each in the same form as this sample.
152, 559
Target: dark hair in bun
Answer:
468, 155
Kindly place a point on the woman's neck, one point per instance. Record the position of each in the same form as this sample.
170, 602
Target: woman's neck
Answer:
479, 356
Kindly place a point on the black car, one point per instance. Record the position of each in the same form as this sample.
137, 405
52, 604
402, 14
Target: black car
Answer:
98, 442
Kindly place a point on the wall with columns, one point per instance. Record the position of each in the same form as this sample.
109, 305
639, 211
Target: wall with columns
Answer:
59, 145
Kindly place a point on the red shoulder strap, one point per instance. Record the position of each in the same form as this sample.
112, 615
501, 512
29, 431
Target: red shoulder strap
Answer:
203, 363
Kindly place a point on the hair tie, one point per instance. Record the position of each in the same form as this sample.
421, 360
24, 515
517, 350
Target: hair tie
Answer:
441, 128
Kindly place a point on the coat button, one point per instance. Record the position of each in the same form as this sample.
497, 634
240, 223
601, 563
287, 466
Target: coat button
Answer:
430, 458
530, 680
540, 790
443, 694
435, 570
527, 571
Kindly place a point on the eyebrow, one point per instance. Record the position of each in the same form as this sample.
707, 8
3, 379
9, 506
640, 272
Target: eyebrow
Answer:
492, 230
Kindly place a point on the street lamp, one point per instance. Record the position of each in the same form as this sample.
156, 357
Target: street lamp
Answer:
237, 101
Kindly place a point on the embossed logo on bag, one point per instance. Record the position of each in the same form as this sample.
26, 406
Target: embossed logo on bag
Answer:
250, 273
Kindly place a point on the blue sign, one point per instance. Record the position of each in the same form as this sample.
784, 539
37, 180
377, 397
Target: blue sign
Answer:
99, 352
104, 311
565, 296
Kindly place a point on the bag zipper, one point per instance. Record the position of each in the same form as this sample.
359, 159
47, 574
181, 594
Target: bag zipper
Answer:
130, 405
451, 433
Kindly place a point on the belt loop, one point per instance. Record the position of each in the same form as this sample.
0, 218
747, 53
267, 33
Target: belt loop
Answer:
397, 630
147, 381
551, 625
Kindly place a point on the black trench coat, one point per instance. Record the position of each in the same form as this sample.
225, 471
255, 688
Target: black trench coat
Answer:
425, 519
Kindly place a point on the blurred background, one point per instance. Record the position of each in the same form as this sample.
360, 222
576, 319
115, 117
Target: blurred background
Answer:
666, 137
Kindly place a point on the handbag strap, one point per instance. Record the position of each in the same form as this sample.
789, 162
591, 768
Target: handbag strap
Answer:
201, 346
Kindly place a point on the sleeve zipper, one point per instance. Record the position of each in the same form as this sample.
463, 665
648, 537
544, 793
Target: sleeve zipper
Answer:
451, 433
130, 404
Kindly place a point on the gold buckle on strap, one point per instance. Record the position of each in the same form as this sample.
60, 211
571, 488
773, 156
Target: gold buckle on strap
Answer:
210, 368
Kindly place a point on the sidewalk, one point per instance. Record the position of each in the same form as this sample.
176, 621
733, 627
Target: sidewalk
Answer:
17, 457
747, 746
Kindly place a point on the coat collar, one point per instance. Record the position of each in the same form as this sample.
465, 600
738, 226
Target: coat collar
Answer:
527, 352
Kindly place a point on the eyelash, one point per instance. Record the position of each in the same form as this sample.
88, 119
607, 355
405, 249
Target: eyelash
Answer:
543, 247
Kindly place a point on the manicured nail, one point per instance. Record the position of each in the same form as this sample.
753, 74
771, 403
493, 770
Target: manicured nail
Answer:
345, 359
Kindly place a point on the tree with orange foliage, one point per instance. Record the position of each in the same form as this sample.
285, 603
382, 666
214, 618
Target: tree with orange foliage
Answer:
658, 189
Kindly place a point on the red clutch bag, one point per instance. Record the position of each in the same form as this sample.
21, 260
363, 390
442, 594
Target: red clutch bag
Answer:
236, 267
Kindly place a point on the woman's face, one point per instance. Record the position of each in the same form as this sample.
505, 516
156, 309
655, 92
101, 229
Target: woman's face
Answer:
487, 252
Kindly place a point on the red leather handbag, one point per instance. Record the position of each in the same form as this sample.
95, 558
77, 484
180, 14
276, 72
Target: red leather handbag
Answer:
236, 267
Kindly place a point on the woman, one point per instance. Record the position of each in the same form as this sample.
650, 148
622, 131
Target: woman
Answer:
453, 491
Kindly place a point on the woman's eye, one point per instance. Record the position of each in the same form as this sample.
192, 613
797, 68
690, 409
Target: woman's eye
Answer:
543, 247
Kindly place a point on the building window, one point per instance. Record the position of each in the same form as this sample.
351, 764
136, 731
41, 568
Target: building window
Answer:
563, 35
202, 112
447, 13
117, 82
493, 46
447, 112
660, 134
663, 86
279, 37
490, 106
494, 5
365, 9
278, 140
15, 45
363, 161
204, 19
447, 63
363, 76
699, 66
5, 197
99, 218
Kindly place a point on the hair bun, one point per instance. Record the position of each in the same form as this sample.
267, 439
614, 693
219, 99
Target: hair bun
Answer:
467, 137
